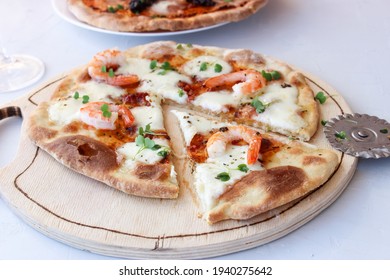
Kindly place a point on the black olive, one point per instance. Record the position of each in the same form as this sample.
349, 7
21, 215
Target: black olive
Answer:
206, 3
137, 6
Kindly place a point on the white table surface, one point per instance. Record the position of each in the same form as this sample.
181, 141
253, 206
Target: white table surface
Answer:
345, 43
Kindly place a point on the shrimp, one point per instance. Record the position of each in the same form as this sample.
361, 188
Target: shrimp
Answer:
244, 82
216, 145
93, 114
99, 68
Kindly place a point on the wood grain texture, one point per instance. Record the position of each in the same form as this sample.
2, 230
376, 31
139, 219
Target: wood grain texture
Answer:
86, 214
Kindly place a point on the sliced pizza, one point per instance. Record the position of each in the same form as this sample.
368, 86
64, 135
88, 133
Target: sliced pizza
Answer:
161, 15
109, 134
238, 172
105, 120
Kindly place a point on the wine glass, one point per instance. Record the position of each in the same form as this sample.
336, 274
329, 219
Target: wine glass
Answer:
18, 71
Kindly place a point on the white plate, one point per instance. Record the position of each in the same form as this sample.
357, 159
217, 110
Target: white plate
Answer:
60, 7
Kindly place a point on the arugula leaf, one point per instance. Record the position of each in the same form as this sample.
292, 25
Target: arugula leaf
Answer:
341, 135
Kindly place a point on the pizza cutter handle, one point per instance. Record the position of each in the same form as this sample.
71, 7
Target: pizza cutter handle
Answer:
11, 111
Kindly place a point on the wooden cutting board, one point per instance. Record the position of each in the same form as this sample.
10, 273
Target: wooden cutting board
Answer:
86, 214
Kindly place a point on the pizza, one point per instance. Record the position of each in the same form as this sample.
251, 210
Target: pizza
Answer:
108, 120
161, 15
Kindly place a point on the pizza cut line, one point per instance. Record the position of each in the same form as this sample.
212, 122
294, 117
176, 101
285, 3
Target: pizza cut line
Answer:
161, 15
106, 120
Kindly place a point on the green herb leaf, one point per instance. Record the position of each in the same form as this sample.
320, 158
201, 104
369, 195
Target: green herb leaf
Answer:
181, 92
384, 131
217, 68
243, 167
341, 135
323, 122
320, 96
163, 153
189, 45
258, 105
85, 99
163, 72
111, 73
149, 143
275, 75
179, 47
111, 9
156, 147
153, 64
76, 95
120, 7
147, 128
166, 66
224, 176
140, 141
141, 131
104, 68
266, 75
203, 66
106, 110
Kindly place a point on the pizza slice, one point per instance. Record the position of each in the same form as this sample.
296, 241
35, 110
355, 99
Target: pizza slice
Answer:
108, 133
238, 172
161, 15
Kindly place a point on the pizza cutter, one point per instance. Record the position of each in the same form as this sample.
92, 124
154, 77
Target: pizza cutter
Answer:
359, 135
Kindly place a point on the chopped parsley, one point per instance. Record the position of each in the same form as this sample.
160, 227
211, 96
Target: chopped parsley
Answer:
323, 122
384, 131
111, 73
76, 95
104, 69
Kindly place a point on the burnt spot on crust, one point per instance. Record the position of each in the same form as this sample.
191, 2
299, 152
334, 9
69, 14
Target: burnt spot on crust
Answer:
274, 183
84, 153
313, 160
152, 171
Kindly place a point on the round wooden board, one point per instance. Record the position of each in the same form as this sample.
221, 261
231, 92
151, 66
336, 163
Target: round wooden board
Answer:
87, 214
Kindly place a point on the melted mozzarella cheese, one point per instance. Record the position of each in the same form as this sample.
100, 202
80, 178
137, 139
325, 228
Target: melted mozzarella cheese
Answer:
192, 67
145, 115
64, 111
217, 101
208, 187
190, 125
136, 66
165, 85
67, 110
161, 7
131, 153
98, 91
282, 111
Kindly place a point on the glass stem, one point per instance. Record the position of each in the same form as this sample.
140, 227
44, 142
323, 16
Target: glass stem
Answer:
4, 57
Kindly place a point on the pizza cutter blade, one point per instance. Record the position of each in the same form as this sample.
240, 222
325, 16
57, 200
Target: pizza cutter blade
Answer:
359, 135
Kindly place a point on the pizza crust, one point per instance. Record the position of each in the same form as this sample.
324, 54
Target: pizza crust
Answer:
139, 23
